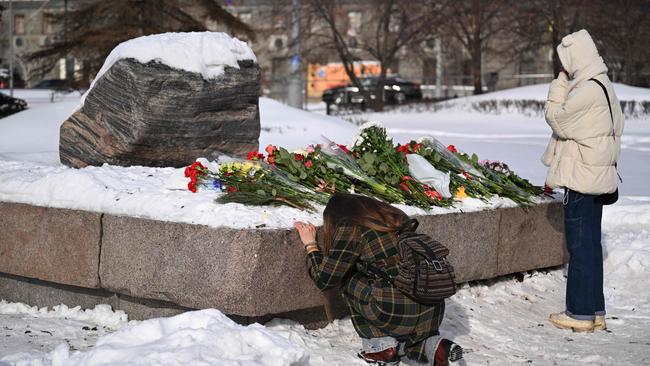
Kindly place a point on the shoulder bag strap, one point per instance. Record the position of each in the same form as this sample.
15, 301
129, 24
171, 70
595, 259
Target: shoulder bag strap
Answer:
611, 115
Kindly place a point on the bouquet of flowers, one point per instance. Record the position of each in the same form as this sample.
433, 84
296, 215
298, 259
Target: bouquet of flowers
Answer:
380, 159
498, 183
462, 183
373, 167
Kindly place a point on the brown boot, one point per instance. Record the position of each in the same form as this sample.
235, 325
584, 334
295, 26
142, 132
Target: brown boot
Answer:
446, 352
386, 357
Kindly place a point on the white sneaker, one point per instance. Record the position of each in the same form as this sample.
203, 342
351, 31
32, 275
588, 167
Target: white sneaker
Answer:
563, 321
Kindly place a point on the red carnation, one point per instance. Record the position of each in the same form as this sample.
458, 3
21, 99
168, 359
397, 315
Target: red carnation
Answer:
299, 157
270, 149
452, 148
343, 147
433, 194
231, 189
548, 190
192, 186
402, 149
308, 164
254, 155
187, 172
197, 165
405, 187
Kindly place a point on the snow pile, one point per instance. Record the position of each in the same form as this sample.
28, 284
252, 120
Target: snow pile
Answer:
530, 100
207, 53
294, 128
540, 91
627, 251
102, 315
205, 337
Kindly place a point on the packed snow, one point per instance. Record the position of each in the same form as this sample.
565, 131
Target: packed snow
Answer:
206, 53
499, 322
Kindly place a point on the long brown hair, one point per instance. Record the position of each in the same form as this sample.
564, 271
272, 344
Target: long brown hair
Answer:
362, 211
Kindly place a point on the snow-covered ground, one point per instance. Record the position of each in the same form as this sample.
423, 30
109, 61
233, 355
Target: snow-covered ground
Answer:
502, 322
539, 92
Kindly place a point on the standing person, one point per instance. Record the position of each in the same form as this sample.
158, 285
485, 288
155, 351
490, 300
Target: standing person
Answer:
360, 230
587, 122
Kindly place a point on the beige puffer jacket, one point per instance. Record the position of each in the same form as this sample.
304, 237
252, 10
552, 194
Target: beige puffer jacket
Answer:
585, 144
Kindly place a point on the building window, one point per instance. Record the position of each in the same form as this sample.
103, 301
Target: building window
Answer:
19, 24
245, 16
48, 24
354, 23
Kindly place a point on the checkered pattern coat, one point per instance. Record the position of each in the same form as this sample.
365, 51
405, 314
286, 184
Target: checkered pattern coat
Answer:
378, 309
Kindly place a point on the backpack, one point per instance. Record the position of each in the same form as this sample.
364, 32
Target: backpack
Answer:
424, 273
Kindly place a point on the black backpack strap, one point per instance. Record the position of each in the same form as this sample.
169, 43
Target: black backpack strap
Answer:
409, 226
369, 270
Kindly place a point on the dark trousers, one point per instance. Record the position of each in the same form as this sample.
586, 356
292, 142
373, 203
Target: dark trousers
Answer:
582, 225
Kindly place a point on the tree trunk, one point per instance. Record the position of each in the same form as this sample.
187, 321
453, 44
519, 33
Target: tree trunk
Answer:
476, 67
379, 89
556, 35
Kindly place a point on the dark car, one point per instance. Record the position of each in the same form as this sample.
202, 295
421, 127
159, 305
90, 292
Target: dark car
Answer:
396, 91
10, 105
54, 84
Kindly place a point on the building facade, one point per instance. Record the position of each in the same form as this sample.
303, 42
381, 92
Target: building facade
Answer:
33, 28
276, 54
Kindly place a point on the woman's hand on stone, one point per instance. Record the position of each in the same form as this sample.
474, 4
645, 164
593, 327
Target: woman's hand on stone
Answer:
306, 231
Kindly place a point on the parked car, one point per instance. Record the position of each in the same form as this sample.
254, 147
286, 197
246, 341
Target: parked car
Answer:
54, 84
396, 91
10, 105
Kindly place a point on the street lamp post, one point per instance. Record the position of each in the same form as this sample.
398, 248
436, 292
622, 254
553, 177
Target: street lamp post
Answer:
11, 48
295, 83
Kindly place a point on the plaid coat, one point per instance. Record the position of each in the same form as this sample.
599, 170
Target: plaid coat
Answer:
378, 308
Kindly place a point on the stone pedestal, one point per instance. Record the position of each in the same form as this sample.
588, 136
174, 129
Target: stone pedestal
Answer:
253, 274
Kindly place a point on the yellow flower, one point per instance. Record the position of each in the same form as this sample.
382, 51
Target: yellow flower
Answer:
460, 193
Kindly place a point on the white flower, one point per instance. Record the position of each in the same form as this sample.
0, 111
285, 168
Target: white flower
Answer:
351, 189
300, 151
359, 140
370, 124
424, 140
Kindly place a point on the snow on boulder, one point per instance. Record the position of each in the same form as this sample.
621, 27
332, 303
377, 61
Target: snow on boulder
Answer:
163, 100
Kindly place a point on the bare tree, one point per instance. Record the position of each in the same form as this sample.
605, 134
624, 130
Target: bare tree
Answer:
622, 27
90, 31
475, 23
386, 27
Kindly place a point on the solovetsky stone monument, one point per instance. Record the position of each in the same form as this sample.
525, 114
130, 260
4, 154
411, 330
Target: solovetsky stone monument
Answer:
166, 99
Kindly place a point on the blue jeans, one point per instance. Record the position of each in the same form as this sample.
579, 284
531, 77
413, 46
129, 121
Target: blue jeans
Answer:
582, 225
